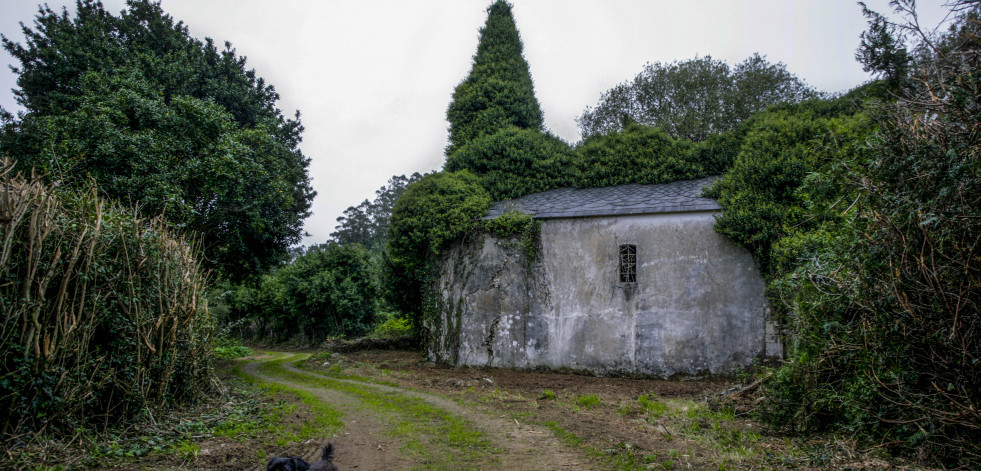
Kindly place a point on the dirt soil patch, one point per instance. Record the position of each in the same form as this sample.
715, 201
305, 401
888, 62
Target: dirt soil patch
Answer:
618, 423
601, 417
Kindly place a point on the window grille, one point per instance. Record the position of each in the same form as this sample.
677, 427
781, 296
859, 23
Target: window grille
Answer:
628, 264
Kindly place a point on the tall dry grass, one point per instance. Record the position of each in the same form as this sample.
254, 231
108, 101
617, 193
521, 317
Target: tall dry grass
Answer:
102, 313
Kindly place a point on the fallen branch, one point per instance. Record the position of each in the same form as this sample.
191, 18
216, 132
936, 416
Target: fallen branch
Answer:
750, 388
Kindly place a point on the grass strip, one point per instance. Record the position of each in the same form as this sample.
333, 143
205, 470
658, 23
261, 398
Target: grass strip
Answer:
326, 421
619, 460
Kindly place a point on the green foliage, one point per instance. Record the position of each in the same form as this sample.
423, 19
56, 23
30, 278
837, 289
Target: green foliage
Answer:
392, 327
164, 122
513, 162
867, 231
637, 154
886, 309
514, 224
499, 91
229, 349
367, 224
761, 195
434, 211
650, 403
882, 50
547, 395
102, 313
694, 99
330, 290
587, 401
643, 154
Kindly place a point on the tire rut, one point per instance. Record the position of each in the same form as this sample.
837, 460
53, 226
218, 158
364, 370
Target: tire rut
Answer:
525, 446
364, 442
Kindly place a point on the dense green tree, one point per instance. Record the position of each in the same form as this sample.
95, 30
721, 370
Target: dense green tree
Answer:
761, 195
514, 162
694, 99
885, 307
329, 290
434, 211
163, 122
367, 223
636, 154
882, 50
499, 91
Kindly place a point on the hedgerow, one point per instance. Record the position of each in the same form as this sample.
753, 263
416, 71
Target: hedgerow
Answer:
434, 211
102, 313
867, 231
330, 290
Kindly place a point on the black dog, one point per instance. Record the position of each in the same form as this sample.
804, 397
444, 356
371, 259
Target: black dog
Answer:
287, 464
298, 464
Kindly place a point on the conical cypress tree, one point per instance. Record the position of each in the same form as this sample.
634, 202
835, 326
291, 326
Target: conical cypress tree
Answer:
499, 91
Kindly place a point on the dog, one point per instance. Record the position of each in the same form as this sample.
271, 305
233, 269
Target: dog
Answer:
287, 464
298, 464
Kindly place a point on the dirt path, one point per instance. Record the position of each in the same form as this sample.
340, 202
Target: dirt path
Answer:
367, 441
363, 444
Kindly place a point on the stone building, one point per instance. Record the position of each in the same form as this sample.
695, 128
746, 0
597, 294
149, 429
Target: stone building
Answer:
626, 279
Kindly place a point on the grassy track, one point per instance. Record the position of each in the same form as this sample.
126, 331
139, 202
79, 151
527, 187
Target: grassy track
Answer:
434, 438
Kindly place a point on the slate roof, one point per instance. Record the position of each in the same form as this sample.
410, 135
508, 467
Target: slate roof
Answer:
680, 196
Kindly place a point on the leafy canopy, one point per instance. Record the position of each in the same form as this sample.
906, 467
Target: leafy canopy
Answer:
164, 122
513, 162
434, 211
694, 99
329, 290
367, 223
498, 92
636, 154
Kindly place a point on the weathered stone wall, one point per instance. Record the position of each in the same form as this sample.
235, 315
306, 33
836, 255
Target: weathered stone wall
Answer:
698, 304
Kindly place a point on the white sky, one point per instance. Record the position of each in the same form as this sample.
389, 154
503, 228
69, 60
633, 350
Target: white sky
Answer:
372, 79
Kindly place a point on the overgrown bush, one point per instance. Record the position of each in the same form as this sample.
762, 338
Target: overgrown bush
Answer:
763, 197
229, 348
872, 254
636, 154
514, 162
889, 330
102, 313
330, 290
432, 212
392, 327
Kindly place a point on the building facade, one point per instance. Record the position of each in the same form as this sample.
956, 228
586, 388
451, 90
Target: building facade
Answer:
627, 279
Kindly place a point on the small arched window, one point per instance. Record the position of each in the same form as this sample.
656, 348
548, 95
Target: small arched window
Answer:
628, 263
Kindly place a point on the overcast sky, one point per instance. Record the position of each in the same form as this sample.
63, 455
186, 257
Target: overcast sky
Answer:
372, 79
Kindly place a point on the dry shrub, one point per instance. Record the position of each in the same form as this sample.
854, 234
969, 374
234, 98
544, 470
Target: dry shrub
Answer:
102, 314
